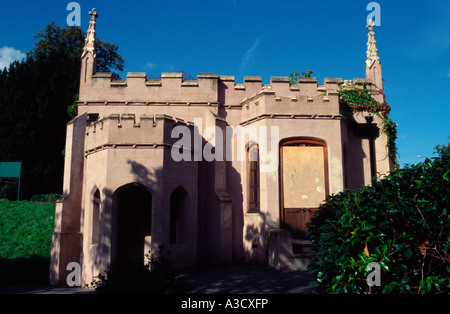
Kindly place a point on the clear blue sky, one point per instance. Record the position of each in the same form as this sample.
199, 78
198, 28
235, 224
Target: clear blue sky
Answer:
274, 38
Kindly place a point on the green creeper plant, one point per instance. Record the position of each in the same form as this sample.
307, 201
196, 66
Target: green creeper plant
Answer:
360, 98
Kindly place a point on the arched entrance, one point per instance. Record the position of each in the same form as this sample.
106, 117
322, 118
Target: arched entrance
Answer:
133, 211
303, 182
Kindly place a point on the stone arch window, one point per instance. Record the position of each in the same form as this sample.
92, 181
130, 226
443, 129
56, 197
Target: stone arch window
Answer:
178, 208
95, 217
253, 178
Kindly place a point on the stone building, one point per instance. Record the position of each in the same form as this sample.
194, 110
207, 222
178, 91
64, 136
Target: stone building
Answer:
258, 162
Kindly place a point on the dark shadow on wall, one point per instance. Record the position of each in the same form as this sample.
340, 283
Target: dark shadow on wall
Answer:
355, 163
360, 151
127, 220
127, 204
209, 218
255, 235
234, 184
220, 212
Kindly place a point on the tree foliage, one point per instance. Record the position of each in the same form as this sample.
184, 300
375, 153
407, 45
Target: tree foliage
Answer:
401, 222
294, 76
34, 98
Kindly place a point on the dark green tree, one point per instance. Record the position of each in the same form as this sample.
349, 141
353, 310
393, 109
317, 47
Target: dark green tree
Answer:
35, 95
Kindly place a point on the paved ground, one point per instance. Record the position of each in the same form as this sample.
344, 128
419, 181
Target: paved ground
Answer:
42, 290
232, 279
248, 279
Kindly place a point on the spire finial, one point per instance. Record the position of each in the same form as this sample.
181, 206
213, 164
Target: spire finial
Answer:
372, 51
89, 42
93, 14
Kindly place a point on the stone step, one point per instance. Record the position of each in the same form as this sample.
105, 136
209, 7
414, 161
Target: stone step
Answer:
302, 261
301, 242
301, 247
303, 255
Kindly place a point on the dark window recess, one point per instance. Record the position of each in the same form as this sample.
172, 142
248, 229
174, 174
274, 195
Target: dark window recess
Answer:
178, 209
253, 179
91, 117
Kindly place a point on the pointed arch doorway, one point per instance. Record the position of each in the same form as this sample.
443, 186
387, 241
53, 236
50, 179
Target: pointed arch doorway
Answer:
303, 182
133, 212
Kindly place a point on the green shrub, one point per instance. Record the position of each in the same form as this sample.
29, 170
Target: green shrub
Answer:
25, 240
401, 222
155, 277
25, 229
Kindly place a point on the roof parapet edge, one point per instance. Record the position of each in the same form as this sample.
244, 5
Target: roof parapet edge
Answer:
137, 75
226, 78
279, 79
119, 83
153, 82
171, 75
252, 79
307, 80
207, 76
332, 80
103, 75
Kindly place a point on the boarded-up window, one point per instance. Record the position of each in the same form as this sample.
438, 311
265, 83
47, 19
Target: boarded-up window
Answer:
304, 182
303, 176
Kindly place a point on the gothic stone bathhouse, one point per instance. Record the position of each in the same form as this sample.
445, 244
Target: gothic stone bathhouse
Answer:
127, 193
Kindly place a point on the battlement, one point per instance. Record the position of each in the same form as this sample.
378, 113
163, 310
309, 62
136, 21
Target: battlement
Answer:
208, 89
319, 101
131, 131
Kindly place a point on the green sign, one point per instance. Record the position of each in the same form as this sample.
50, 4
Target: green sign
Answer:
11, 170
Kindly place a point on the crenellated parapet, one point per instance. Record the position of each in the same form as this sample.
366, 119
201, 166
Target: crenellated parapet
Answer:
131, 131
304, 100
235, 95
138, 88
209, 89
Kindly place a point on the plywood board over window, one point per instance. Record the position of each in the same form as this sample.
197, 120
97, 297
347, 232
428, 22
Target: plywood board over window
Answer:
303, 176
304, 183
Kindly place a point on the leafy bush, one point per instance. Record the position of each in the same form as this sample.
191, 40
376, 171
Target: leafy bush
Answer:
25, 229
401, 222
25, 240
155, 277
